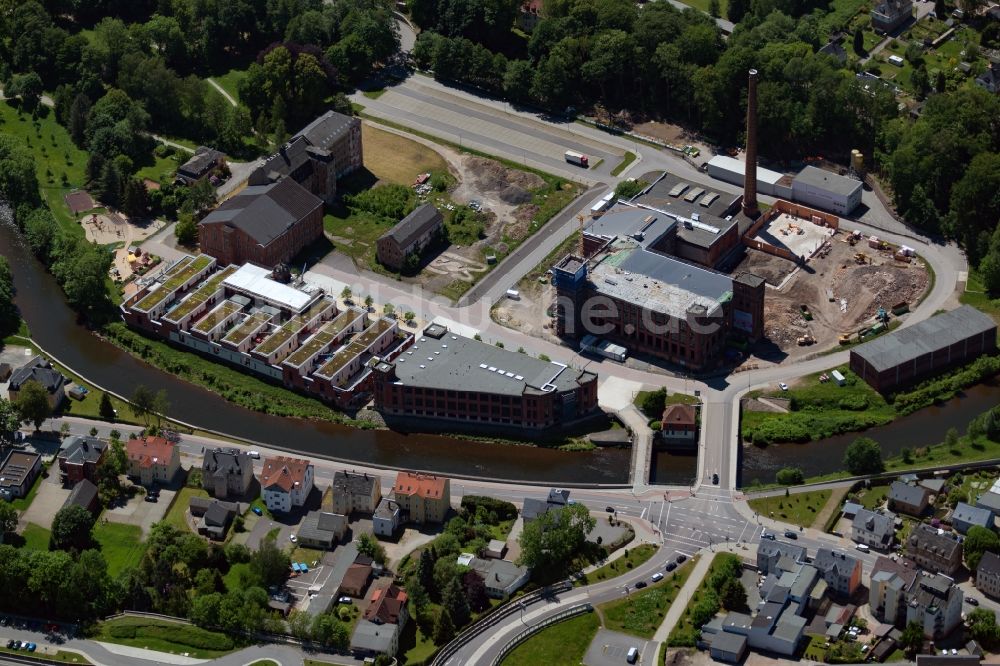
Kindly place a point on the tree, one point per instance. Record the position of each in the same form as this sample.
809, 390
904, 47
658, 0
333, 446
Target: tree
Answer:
71, 529
161, 405
713, 9
28, 87
733, 595
345, 293
8, 518
940, 9
186, 229
9, 318
369, 545
18, 180
951, 438
554, 538
736, 10
425, 570
269, 563
135, 200
142, 402
444, 630
789, 476
913, 637
859, 42
475, 591
978, 540
369, 300
864, 456
10, 420
941, 85
33, 403
106, 409
629, 188
455, 603
983, 627
78, 113
653, 403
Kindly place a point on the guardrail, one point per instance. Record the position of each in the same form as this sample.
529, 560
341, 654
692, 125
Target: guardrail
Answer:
513, 606
572, 611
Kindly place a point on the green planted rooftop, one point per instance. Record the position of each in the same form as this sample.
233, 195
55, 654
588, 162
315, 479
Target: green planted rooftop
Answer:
175, 278
247, 328
199, 296
292, 327
326, 334
357, 347
217, 316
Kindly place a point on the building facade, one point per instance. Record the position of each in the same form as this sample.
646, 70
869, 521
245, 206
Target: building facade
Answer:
39, 370
891, 14
934, 549
873, 528
152, 460
842, 572
410, 236
988, 575
226, 473
423, 498
18, 474
352, 492
80, 457
935, 603
285, 483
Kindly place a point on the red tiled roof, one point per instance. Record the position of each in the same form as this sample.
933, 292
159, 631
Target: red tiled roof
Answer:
423, 485
386, 605
149, 451
283, 472
679, 415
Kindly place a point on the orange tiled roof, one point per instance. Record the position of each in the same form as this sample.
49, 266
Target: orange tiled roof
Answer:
679, 415
423, 485
283, 472
149, 451
386, 605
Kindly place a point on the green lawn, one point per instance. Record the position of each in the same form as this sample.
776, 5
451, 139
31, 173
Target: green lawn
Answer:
814, 648
635, 557
172, 637
562, 644
160, 169
975, 295
90, 406
641, 612
874, 497
840, 13
36, 537
703, 5
121, 545
798, 508
626, 160
55, 156
175, 516
230, 81
684, 632
414, 644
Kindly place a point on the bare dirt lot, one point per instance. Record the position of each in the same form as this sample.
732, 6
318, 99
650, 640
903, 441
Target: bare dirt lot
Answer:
857, 291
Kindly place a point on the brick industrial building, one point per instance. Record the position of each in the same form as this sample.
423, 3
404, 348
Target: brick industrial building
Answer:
453, 378
411, 235
264, 224
908, 355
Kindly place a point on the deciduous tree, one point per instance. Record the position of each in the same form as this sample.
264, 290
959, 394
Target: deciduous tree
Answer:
33, 403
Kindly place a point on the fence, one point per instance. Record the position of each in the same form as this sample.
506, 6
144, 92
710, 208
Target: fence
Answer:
573, 611
513, 606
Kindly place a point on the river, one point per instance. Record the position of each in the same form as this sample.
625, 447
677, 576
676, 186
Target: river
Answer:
56, 329
928, 426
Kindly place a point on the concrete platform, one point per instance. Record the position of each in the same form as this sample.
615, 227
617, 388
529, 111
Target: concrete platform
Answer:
610, 647
801, 245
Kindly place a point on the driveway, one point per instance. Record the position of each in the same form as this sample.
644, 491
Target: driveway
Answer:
610, 647
137, 511
265, 525
49, 499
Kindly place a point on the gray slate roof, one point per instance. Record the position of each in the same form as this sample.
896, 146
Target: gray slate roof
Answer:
880, 524
373, 637
416, 224
264, 212
827, 180
928, 540
386, 508
497, 573
80, 450
973, 515
836, 561
729, 643
989, 501
316, 137
39, 370
83, 494
907, 494
938, 332
989, 564
354, 484
223, 462
322, 526
204, 158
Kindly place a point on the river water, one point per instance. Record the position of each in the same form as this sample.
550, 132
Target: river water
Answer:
928, 426
56, 329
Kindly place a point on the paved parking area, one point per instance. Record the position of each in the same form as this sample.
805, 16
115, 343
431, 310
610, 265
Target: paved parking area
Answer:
265, 525
49, 499
137, 511
609, 648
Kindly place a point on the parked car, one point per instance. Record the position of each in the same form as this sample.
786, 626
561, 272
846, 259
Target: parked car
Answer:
791, 535
972, 601
681, 558
257, 510
657, 577
345, 600
767, 535
293, 538
641, 584
31, 647
671, 566
254, 454
150, 498
783, 386
609, 509
11, 643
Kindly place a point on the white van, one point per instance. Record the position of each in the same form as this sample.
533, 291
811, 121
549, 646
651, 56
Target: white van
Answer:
863, 548
632, 656
514, 294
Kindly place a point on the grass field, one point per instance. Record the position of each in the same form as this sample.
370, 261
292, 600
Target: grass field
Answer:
230, 82
628, 159
641, 612
703, 5
264, 662
798, 508
874, 496
175, 516
36, 537
562, 644
55, 157
121, 545
161, 169
975, 295
684, 628
415, 646
635, 557
172, 637
396, 159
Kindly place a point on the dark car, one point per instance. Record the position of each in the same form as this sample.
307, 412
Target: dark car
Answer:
681, 558
151, 498
715, 479
609, 509
972, 601
11, 643
258, 511
767, 535
641, 584
791, 535
671, 566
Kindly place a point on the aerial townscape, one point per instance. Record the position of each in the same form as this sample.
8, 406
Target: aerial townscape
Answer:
511, 333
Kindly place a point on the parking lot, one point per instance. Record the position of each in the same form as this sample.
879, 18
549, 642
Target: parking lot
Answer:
609, 648
141, 513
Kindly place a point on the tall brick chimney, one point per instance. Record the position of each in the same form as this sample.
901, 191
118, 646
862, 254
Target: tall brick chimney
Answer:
750, 172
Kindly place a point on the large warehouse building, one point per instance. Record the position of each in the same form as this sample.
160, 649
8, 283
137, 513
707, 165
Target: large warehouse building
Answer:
733, 171
911, 354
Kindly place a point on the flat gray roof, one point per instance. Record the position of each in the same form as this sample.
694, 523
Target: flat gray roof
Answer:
930, 335
827, 180
729, 643
456, 362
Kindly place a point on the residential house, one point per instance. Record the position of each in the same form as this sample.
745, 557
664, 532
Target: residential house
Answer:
38, 370
727, 647
770, 553
935, 602
909, 499
531, 508
226, 473
18, 474
387, 518
873, 528
322, 529
326, 149
383, 621
214, 516
936, 486
988, 575
890, 580
410, 236
934, 549
989, 501
891, 14
358, 576
835, 49
965, 516
680, 423
84, 494
152, 460
842, 572
850, 509
424, 498
502, 578
79, 458
355, 492
286, 482
990, 79
199, 166
776, 628
263, 224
